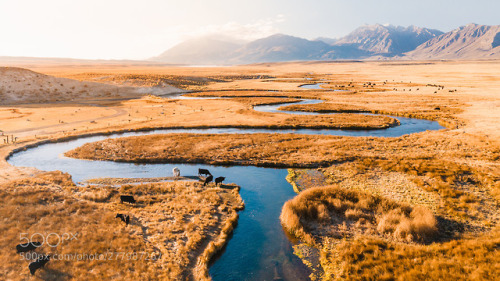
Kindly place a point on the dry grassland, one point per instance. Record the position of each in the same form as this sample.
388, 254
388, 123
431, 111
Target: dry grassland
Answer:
367, 237
175, 228
364, 258
161, 80
152, 112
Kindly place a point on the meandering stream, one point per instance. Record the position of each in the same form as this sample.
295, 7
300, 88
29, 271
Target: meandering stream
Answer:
258, 249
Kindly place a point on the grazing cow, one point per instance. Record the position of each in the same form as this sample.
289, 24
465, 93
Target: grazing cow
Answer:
26, 247
204, 172
39, 263
127, 198
437, 108
208, 180
219, 180
176, 172
124, 218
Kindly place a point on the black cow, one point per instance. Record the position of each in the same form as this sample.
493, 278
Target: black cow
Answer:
26, 247
208, 180
124, 218
219, 180
39, 263
205, 172
127, 198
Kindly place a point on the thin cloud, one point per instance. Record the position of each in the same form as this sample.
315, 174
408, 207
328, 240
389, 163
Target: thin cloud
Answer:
249, 31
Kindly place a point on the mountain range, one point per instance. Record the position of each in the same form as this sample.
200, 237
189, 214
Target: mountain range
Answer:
468, 42
365, 43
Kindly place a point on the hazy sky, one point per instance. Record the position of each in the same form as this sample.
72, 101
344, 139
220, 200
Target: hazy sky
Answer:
125, 29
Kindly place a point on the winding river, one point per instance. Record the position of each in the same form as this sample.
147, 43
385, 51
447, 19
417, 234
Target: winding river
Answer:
258, 249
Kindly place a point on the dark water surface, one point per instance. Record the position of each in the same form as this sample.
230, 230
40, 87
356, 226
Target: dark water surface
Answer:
258, 249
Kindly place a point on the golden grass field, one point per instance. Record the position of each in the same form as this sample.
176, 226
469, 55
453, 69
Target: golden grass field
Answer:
444, 183
175, 228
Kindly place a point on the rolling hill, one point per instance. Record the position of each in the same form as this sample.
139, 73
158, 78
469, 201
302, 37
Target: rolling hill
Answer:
19, 85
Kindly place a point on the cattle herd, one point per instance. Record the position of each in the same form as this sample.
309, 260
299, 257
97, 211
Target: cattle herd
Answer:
39, 262
202, 172
43, 259
209, 178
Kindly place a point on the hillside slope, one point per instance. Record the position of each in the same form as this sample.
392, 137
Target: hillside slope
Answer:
280, 47
19, 85
205, 50
388, 40
472, 41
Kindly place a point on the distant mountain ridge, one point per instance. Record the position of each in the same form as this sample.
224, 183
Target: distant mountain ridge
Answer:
327, 40
366, 42
203, 50
472, 41
388, 39
280, 47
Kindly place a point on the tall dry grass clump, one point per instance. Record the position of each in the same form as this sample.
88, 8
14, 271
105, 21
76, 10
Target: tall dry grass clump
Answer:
420, 225
344, 213
290, 220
